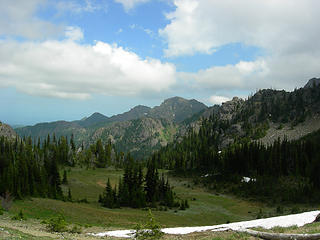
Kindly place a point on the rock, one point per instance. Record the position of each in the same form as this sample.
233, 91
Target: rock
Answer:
7, 131
317, 218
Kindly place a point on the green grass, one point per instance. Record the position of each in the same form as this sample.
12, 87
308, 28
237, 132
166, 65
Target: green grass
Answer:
12, 234
206, 209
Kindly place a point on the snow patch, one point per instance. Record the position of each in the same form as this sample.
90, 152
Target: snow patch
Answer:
247, 179
267, 223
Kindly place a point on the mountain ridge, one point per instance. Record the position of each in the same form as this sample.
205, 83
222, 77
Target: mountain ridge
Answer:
149, 128
263, 116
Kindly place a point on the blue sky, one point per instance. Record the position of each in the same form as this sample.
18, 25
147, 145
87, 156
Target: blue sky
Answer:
66, 59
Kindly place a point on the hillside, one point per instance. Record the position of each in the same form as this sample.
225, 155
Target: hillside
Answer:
140, 130
269, 114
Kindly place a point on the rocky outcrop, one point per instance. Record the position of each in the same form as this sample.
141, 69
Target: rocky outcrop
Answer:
313, 82
7, 131
230, 108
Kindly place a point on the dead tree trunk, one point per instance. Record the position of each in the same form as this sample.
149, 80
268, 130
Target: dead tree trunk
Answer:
280, 236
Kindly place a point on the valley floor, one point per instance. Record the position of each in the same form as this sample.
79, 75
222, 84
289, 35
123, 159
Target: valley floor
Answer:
206, 209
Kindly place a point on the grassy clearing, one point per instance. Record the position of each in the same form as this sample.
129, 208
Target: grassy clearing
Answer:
205, 208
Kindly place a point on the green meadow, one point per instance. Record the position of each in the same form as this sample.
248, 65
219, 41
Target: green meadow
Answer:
206, 208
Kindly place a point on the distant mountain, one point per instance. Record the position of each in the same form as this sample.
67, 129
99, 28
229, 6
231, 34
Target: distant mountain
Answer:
93, 120
177, 109
134, 113
139, 136
139, 130
266, 116
7, 131
59, 128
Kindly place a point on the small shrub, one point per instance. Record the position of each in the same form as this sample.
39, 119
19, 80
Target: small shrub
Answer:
57, 224
20, 216
6, 201
260, 214
1, 211
295, 210
279, 210
75, 229
84, 200
150, 230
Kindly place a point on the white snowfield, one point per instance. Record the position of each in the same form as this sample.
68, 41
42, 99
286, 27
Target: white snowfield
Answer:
267, 223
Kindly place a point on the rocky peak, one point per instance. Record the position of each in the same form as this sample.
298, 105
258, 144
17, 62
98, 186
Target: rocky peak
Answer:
95, 118
7, 131
312, 82
229, 108
177, 109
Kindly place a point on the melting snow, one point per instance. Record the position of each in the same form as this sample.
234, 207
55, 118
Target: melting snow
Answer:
282, 221
247, 179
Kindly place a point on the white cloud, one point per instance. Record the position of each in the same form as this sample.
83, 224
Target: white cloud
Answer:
66, 69
130, 4
203, 25
76, 7
218, 99
238, 76
74, 33
286, 30
17, 18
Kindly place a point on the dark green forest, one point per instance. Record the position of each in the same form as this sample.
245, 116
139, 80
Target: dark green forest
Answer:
137, 191
32, 170
283, 171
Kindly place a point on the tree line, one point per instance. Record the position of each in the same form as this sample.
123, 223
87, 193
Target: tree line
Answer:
31, 168
285, 170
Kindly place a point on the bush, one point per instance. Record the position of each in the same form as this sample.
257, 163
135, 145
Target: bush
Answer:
75, 229
279, 210
6, 201
20, 216
57, 224
260, 214
295, 210
150, 230
1, 211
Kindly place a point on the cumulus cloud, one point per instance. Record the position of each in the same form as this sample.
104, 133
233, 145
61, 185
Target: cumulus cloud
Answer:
275, 25
66, 69
287, 31
130, 4
17, 18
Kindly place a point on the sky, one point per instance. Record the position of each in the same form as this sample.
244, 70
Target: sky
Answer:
66, 59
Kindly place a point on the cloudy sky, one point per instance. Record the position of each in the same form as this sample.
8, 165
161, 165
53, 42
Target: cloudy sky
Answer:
66, 59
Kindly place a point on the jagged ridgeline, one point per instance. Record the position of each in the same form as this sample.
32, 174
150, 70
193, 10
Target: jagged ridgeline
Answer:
140, 130
230, 145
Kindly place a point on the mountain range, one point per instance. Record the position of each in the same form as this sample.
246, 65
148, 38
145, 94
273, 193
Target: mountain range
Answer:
140, 130
265, 116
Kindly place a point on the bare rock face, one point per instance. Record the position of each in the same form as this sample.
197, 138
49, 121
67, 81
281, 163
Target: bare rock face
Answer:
229, 108
7, 131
